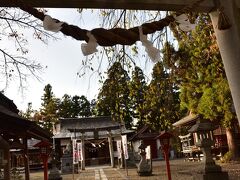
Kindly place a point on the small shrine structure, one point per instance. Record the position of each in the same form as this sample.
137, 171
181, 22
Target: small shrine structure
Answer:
189, 140
97, 135
146, 136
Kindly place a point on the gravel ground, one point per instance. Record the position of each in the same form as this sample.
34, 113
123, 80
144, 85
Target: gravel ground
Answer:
180, 170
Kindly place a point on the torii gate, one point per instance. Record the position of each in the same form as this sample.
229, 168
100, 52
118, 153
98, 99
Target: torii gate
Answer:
228, 40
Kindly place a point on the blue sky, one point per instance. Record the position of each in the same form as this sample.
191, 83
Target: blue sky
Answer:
63, 60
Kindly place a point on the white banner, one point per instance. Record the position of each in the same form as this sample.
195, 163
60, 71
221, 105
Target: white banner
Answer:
75, 151
119, 149
148, 152
125, 148
79, 149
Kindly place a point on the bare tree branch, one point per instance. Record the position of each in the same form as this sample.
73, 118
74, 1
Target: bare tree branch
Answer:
14, 63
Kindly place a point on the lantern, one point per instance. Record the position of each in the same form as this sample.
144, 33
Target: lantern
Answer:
204, 134
164, 138
43, 151
144, 169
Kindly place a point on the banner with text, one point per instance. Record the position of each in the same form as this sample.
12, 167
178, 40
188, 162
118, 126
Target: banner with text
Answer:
79, 149
124, 144
148, 152
119, 149
75, 151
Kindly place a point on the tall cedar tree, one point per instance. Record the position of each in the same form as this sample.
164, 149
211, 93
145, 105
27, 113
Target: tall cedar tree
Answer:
85, 107
49, 108
161, 100
113, 98
93, 107
65, 107
138, 88
204, 88
74, 107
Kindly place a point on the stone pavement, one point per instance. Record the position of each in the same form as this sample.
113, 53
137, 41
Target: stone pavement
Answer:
180, 170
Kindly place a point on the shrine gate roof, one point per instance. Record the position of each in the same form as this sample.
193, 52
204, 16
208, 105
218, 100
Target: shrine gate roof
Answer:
89, 124
74, 127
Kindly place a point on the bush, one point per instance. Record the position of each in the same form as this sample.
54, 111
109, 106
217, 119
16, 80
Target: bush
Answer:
227, 157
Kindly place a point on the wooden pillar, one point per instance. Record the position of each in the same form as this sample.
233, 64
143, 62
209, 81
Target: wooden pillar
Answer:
25, 154
122, 154
5, 158
111, 148
229, 45
83, 152
45, 166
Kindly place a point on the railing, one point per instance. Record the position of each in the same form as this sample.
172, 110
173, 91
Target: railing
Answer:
15, 173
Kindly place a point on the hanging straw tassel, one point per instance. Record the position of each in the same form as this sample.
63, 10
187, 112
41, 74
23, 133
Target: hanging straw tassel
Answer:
223, 20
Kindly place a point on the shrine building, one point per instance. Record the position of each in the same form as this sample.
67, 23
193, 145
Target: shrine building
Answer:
15, 131
98, 137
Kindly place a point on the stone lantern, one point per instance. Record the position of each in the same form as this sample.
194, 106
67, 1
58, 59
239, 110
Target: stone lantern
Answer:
144, 169
204, 140
54, 173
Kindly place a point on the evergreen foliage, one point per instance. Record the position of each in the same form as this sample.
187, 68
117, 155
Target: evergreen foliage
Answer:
85, 107
138, 87
65, 106
113, 98
74, 107
49, 108
204, 87
162, 101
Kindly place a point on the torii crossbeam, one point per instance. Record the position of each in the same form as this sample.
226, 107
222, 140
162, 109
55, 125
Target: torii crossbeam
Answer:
164, 5
228, 40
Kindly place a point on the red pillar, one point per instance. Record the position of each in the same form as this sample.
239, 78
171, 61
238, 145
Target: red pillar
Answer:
44, 153
166, 156
45, 166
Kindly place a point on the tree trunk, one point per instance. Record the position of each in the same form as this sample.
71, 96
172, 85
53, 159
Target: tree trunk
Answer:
232, 144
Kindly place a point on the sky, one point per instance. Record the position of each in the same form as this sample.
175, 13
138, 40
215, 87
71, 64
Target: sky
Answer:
62, 59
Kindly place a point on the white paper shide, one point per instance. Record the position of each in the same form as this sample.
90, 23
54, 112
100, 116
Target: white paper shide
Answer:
184, 23
51, 24
91, 46
153, 53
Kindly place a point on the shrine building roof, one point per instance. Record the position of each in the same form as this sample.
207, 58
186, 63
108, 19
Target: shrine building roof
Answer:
13, 125
187, 120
